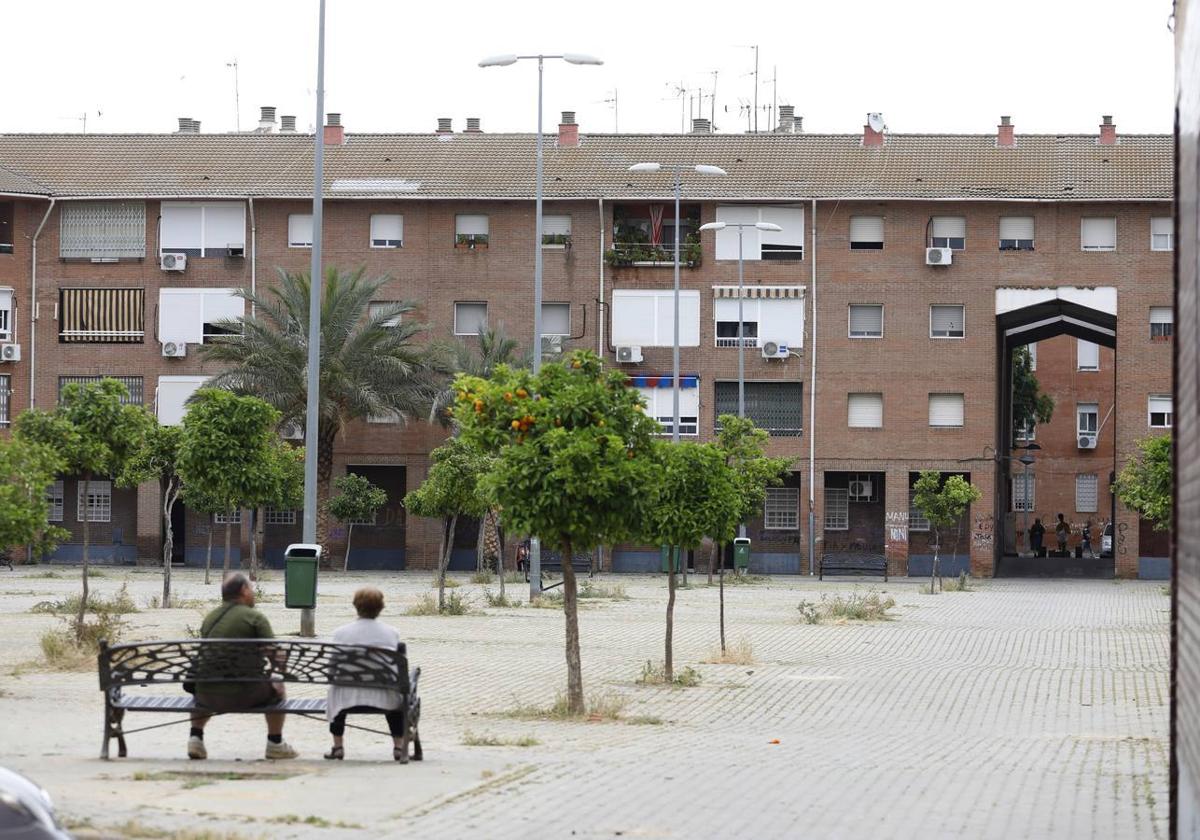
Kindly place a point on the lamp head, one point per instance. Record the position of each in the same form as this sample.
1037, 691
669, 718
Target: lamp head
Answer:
580, 58
645, 167
713, 226
499, 60
767, 226
705, 169
1026, 459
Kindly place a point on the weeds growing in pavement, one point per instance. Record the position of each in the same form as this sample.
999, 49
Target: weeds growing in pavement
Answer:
470, 739
599, 706
962, 583
483, 576
613, 592
740, 652
120, 603
495, 599
548, 601
655, 674
64, 650
745, 579
427, 605
858, 606
451, 583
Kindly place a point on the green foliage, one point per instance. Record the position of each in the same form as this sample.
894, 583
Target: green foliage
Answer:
655, 674
1144, 484
26, 468
943, 503
157, 458
743, 445
358, 498
1030, 405
453, 485
695, 495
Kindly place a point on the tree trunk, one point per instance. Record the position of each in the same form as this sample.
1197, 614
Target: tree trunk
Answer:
575, 704
668, 662
170, 494
349, 537
444, 560
255, 519
933, 571
208, 552
228, 527
324, 477
480, 548
722, 576
83, 601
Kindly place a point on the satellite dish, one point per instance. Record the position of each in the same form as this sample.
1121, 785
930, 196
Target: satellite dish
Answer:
875, 121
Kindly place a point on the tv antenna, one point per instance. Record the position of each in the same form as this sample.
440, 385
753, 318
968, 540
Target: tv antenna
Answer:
713, 104
237, 108
612, 102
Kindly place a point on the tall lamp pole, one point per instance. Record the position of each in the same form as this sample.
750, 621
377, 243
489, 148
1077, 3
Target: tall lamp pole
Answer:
535, 547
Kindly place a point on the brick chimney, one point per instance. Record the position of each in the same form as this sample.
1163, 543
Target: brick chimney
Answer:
1004, 133
266, 119
871, 137
1108, 131
445, 125
701, 125
287, 125
568, 131
335, 134
473, 126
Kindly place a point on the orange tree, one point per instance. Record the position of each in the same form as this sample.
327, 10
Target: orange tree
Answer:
574, 463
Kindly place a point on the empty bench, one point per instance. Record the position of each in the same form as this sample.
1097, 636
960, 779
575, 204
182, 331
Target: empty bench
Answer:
853, 563
141, 664
552, 564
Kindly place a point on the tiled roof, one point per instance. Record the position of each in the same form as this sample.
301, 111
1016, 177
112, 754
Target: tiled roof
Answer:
500, 166
13, 182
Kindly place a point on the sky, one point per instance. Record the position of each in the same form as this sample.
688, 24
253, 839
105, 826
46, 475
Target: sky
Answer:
927, 65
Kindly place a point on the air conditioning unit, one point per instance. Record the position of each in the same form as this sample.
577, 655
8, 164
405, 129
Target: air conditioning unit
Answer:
629, 355
861, 490
172, 262
552, 345
10, 352
774, 350
1087, 441
174, 349
938, 256
236, 250
291, 431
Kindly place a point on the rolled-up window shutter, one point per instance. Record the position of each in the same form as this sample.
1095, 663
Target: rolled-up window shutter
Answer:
950, 227
945, 409
1016, 227
471, 225
866, 228
866, 319
1098, 233
946, 321
864, 411
556, 226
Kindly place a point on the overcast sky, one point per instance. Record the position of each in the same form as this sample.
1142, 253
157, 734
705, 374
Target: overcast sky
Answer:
927, 65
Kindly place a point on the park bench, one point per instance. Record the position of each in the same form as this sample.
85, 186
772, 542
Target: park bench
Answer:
249, 661
552, 564
853, 562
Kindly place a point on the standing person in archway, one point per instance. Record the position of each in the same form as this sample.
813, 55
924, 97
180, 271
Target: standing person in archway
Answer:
1062, 531
1037, 534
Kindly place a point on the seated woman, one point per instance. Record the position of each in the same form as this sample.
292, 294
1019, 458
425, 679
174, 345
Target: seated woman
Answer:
344, 700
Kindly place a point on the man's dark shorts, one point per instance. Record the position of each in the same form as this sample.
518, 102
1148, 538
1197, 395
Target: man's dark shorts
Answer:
254, 696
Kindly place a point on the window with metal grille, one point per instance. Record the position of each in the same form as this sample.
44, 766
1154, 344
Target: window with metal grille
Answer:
1098, 234
387, 230
279, 517
866, 233
1087, 496
5, 399
917, 521
232, 518
1161, 411
837, 509
948, 232
866, 320
1162, 234
6, 314
54, 499
777, 407
947, 321
1016, 233
98, 503
1024, 431
102, 316
133, 384
781, 510
1162, 323
103, 230
1019, 501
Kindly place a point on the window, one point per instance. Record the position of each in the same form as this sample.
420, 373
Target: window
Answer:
1098, 234
1019, 500
378, 308
387, 230
556, 319
866, 320
777, 407
781, 510
230, 518
6, 227
470, 318
102, 230
98, 503
1087, 354
660, 404
556, 231
300, 230
1032, 348
5, 399
785, 244
102, 316
204, 229
173, 394
133, 384
917, 521
55, 498
1087, 498
947, 321
471, 232
195, 316
1162, 323
646, 318
1087, 418
948, 232
1161, 412
1162, 234
271, 516
864, 411
768, 313
1024, 431
6, 314
866, 233
946, 409
837, 509
1016, 233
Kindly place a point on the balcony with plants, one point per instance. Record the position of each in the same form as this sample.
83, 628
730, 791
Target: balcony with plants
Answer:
644, 236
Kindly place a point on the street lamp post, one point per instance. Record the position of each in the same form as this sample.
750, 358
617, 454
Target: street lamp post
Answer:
1027, 461
535, 548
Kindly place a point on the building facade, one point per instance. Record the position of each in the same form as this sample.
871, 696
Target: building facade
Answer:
876, 323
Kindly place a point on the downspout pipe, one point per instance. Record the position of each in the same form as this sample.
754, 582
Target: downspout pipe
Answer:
33, 305
253, 253
600, 309
812, 408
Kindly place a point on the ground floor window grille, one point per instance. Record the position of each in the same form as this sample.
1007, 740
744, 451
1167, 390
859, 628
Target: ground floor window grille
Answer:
98, 502
917, 521
279, 517
234, 518
1019, 500
837, 509
781, 512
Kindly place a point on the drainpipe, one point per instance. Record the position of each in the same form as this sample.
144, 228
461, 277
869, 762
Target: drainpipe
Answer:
812, 408
253, 252
33, 306
600, 308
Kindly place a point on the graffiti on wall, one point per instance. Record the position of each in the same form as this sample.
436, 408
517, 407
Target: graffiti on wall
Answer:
982, 531
896, 523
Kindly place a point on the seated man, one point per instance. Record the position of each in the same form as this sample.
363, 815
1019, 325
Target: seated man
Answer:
236, 618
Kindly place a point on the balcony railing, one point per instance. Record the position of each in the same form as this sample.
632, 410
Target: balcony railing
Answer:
646, 254
748, 341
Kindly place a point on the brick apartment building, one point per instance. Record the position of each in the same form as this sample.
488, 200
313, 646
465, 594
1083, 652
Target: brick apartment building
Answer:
889, 364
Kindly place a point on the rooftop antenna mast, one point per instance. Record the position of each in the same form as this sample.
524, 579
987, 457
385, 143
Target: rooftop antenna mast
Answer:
237, 108
712, 119
755, 48
612, 101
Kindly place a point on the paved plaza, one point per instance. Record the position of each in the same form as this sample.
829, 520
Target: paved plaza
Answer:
1020, 709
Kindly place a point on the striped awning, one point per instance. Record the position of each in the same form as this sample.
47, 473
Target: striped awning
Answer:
759, 292
667, 381
102, 315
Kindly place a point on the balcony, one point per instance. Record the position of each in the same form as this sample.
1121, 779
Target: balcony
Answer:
645, 255
644, 236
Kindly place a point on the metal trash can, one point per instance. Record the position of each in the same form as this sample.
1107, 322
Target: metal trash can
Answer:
741, 552
300, 563
665, 552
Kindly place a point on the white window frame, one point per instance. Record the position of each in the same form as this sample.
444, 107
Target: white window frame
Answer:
781, 509
182, 313
207, 209
556, 225
1032, 355
295, 226
1162, 317
850, 320
7, 314
171, 412
628, 323
467, 225
1080, 359
1097, 248
383, 241
1025, 432
1155, 401
875, 398
1019, 503
660, 405
482, 325
917, 520
99, 500
55, 498
272, 516
837, 509
961, 308
554, 305
1081, 480
1160, 237
1019, 243
867, 244
228, 519
940, 241
1083, 411
962, 417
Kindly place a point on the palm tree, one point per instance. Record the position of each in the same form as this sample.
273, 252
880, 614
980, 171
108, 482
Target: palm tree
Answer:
371, 363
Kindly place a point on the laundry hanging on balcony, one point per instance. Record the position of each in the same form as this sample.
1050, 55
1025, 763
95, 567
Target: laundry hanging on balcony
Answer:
665, 381
656, 217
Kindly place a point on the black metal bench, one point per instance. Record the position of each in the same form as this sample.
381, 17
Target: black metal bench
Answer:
853, 562
249, 661
552, 564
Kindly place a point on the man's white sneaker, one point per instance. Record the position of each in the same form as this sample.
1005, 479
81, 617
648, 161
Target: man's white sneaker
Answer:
281, 750
196, 748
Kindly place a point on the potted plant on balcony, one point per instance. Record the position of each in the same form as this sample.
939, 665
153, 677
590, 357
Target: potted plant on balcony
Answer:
470, 241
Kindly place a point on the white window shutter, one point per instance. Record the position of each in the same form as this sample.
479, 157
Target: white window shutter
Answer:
1158, 314
470, 318
1160, 404
866, 319
386, 227
180, 315
727, 239
866, 228
224, 225
791, 219
556, 225
1016, 227
1089, 354
949, 226
300, 229
472, 225
945, 319
946, 410
556, 319
781, 320
1162, 225
180, 227
173, 394
1098, 233
221, 304
864, 411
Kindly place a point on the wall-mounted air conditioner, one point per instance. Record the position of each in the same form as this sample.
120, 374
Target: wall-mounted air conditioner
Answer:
1087, 441
10, 352
172, 262
861, 490
938, 256
774, 350
629, 355
174, 349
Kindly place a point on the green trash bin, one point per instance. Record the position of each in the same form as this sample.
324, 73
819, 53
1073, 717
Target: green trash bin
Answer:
665, 552
741, 553
300, 563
